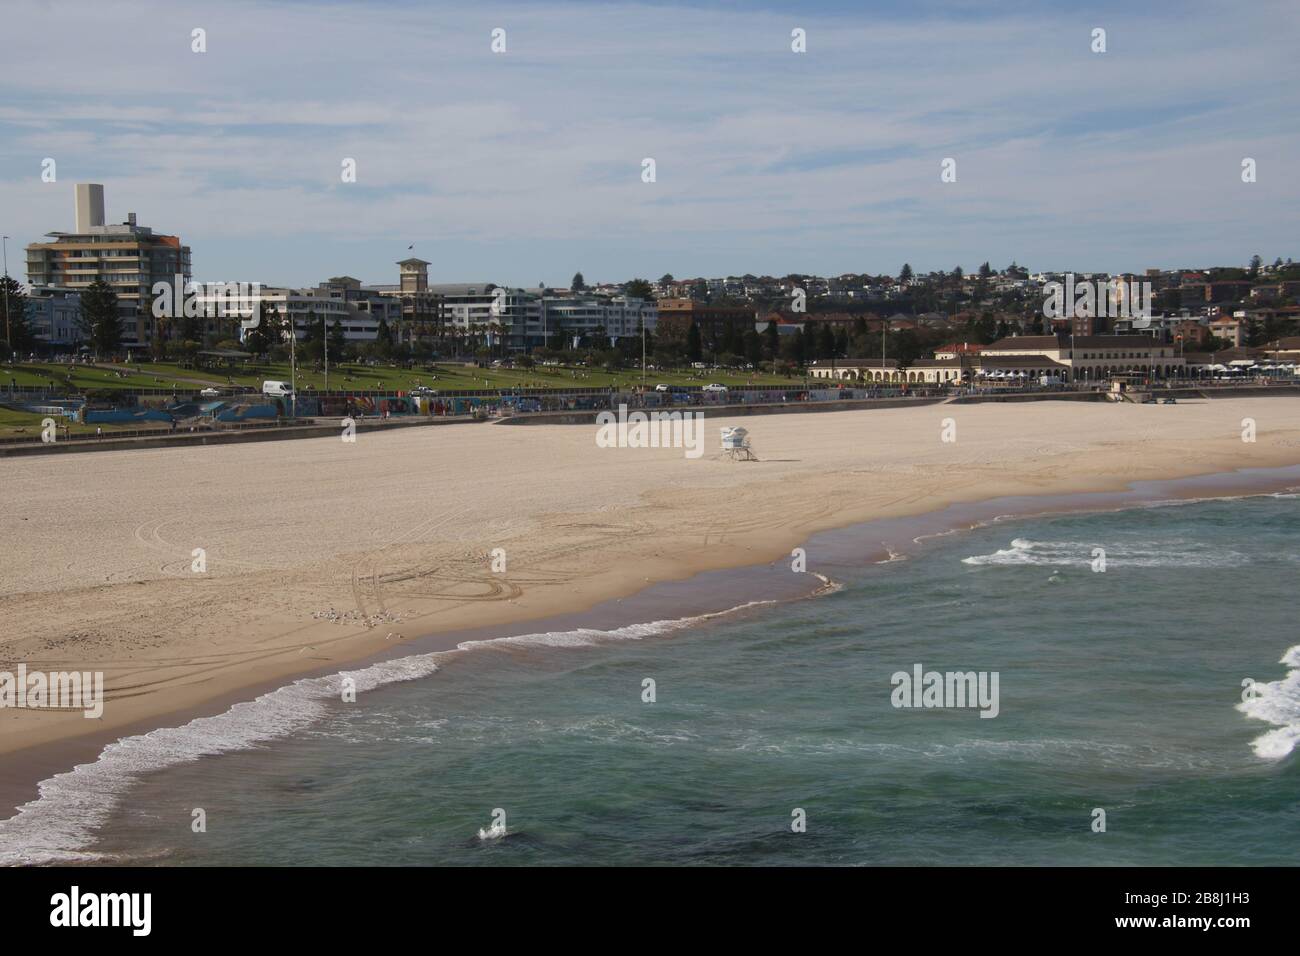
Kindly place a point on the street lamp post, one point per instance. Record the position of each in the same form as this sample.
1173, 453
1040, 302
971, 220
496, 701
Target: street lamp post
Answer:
8, 339
884, 327
293, 362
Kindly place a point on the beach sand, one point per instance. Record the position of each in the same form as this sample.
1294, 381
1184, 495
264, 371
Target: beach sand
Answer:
397, 531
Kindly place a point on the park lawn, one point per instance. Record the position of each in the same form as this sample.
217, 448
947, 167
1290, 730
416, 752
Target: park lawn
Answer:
92, 376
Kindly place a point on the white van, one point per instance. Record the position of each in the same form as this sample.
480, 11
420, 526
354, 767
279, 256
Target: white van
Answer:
277, 389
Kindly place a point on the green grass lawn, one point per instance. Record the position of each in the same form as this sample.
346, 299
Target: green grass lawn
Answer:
16, 424
91, 377
446, 376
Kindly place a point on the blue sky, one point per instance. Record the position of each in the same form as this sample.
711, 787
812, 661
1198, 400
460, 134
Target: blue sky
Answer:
524, 167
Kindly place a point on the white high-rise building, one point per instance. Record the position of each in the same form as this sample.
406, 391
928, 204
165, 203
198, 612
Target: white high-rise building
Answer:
127, 256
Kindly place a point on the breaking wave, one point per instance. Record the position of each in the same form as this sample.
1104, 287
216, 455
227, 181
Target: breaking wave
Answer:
1277, 703
1167, 554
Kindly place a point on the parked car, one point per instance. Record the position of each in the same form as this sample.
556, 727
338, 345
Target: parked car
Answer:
210, 393
715, 387
662, 387
277, 389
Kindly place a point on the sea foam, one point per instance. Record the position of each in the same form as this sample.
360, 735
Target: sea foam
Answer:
59, 825
1148, 554
1277, 703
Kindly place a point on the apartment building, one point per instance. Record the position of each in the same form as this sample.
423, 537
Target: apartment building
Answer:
612, 317
677, 315
364, 307
1230, 329
497, 316
127, 256
54, 316
356, 308
1189, 333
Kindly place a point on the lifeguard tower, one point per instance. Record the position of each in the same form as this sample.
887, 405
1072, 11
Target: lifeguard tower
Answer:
735, 443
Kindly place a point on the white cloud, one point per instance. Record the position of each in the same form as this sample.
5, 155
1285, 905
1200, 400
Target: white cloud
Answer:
1120, 160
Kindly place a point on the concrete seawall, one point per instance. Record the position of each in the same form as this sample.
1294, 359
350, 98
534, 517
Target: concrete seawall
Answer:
1183, 392
588, 416
1249, 392
183, 439
1036, 397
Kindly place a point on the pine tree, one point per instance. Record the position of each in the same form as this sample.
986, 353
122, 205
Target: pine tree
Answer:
191, 329
792, 349
384, 339
19, 336
338, 342
859, 334
771, 341
262, 336
826, 342
313, 344
694, 349
638, 289
731, 340
101, 323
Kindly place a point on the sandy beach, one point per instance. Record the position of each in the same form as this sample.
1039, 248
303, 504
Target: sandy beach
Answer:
320, 553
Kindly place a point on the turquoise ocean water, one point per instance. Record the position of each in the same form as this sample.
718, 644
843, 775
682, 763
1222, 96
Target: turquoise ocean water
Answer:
1118, 690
